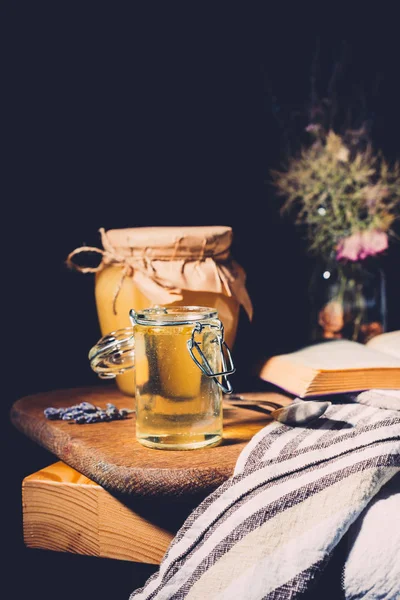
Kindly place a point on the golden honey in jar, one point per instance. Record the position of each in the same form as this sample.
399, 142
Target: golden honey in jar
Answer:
180, 371
170, 266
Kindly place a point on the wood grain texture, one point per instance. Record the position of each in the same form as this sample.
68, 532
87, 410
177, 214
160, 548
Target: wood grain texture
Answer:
109, 454
65, 511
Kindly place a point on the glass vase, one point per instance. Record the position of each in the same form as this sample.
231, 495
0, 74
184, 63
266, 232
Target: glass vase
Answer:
348, 301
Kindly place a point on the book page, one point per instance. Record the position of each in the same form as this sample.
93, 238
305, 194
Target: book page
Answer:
386, 342
341, 355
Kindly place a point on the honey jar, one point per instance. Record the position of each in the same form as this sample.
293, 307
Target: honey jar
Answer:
179, 364
170, 266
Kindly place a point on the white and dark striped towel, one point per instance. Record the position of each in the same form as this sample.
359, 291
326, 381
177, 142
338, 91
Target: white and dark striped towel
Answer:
269, 531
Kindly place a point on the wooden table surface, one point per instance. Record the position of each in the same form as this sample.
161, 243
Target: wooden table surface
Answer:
109, 454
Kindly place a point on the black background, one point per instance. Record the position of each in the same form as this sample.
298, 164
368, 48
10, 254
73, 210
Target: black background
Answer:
162, 114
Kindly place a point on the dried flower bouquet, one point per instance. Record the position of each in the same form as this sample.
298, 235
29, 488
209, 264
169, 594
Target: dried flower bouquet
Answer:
347, 200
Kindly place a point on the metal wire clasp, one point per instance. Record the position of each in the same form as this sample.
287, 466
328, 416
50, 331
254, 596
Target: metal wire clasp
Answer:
228, 367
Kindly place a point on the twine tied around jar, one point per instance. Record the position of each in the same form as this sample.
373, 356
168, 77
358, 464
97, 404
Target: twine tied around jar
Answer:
108, 258
199, 260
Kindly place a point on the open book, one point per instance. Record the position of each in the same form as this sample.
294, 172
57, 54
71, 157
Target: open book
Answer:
337, 366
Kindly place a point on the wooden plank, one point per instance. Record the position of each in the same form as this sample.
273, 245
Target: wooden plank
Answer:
65, 511
109, 454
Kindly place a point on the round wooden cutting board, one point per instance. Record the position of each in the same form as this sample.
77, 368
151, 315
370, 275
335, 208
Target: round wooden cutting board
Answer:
109, 454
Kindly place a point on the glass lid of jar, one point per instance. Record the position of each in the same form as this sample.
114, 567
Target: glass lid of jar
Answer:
172, 315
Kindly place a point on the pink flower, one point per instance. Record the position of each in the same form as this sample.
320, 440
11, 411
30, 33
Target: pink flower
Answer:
361, 244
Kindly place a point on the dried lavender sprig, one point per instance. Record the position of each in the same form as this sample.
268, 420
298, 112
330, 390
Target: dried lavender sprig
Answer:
85, 412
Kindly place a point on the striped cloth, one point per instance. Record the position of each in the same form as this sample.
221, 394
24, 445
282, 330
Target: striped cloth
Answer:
269, 531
